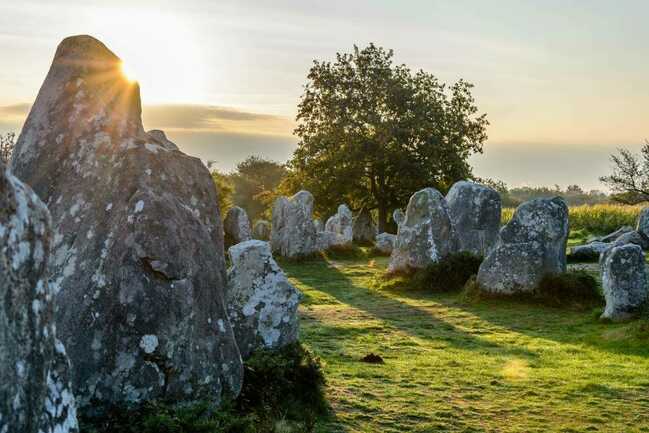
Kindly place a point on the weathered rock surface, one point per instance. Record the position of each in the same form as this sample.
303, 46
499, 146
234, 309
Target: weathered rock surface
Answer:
614, 235
588, 252
236, 226
319, 225
633, 237
475, 212
426, 235
385, 242
363, 228
261, 231
530, 246
262, 303
293, 233
342, 225
643, 222
398, 216
35, 390
326, 240
138, 250
624, 281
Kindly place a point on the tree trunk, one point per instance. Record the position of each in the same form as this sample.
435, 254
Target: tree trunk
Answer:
383, 218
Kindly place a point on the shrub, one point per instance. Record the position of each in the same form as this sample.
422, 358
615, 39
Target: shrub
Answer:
282, 391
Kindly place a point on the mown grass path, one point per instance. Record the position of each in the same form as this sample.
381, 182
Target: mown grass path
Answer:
454, 367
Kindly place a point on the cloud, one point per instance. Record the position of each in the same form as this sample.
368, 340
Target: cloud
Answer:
15, 110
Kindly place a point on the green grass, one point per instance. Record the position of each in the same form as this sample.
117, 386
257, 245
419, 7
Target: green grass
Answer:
451, 366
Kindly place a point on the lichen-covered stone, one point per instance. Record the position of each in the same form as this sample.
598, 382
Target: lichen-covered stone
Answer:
236, 226
587, 252
319, 225
293, 233
475, 212
426, 235
138, 247
624, 281
262, 303
633, 237
530, 246
643, 222
342, 225
363, 228
261, 230
326, 240
398, 216
385, 242
611, 237
35, 390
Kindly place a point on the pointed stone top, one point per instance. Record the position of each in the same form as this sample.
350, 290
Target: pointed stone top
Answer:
84, 48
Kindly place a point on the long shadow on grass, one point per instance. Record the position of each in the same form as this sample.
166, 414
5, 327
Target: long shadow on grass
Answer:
337, 286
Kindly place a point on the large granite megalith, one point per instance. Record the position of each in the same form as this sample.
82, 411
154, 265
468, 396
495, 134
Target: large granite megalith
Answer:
338, 229
624, 281
364, 230
138, 249
475, 212
262, 303
531, 245
35, 390
236, 226
261, 230
293, 233
426, 235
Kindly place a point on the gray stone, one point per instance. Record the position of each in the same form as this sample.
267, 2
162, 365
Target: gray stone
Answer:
475, 212
236, 226
588, 252
531, 245
624, 281
293, 233
643, 222
261, 231
614, 235
363, 228
426, 235
319, 225
326, 240
262, 303
385, 242
633, 237
138, 250
35, 390
398, 216
342, 225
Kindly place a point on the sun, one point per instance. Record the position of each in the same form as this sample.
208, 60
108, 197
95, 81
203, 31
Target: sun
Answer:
128, 73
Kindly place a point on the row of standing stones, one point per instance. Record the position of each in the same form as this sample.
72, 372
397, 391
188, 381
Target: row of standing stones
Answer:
124, 264
113, 282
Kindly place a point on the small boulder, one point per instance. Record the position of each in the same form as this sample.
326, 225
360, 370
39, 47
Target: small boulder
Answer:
475, 212
614, 235
319, 225
236, 226
342, 225
531, 245
384, 242
261, 230
426, 235
293, 233
633, 237
624, 281
326, 240
35, 390
398, 217
262, 303
588, 252
364, 229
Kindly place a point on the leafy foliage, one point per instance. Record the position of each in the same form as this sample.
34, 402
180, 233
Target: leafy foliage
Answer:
371, 132
7, 144
282, 391
255, 185
225, 190
630, 177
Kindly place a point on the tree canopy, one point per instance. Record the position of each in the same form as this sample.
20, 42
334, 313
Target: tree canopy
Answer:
371, 133
630, 178
255, 182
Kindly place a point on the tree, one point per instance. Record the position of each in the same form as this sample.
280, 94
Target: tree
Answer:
371, 133
255, 182
630, 178
224, 188
7, 144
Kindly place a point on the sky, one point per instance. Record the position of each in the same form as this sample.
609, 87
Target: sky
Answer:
563, 83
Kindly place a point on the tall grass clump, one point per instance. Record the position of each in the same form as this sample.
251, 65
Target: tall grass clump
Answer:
597, 218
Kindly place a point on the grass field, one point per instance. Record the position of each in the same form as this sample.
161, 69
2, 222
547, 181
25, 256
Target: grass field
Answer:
495, 366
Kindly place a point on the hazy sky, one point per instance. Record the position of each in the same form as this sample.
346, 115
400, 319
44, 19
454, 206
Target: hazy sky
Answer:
563, 82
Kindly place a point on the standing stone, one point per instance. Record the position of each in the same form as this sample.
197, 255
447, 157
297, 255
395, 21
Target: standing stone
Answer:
138, 251
588, 252
475, 212
236, 226
261, 231
293, 233
342, 225
633, 237
531, 245
426, 235
643, 222
624, 281
384, 242
262, 304
35, 391
363, 228
319, 226
398, 217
